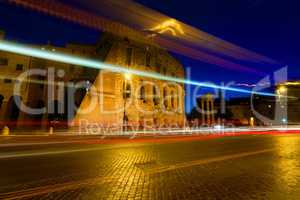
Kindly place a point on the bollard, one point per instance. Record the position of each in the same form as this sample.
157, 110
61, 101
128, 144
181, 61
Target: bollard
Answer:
51, 131
5, 131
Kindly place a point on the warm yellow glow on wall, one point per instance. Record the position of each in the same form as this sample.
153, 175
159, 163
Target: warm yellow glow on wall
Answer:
252, 121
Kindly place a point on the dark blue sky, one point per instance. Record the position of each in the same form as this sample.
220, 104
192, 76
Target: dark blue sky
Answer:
268, 27
265, 26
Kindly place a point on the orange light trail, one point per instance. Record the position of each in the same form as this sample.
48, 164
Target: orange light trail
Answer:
138, 22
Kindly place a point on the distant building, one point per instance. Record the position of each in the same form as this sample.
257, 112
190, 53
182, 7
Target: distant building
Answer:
264, 109
234, 111
110, 91
240, 112
207, 109
288, 98
34, 89
281, 109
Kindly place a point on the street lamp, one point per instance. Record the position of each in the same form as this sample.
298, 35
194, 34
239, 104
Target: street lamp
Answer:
281, 90
127, 76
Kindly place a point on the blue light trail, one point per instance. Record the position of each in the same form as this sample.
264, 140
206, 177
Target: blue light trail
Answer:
75, 60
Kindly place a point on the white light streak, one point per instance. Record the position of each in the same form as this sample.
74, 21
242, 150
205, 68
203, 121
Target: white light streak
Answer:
75, 60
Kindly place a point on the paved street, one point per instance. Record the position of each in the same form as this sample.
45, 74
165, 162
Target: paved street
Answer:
240, 167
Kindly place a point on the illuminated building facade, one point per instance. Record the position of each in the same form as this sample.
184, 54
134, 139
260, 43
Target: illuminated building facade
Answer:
139, 101
288, 101
91, 95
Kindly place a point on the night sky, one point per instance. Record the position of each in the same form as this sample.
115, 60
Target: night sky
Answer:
268, 27
265, 26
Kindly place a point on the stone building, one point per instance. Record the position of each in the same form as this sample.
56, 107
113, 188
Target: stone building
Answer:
282, 109
45, 88
234, 111
240, 112
147, 102
79, 94
206, 104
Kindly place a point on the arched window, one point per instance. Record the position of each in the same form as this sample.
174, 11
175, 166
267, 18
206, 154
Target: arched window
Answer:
173, 99
14, 108
129, 56
164, 71
166, 98
1, 100
155, 96
148, 59
142, 93
179, 103
158, 65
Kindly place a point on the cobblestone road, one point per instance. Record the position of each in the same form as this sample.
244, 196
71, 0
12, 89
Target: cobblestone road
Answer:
245, 167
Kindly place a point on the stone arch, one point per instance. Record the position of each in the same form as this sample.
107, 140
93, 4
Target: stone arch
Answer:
79, 96
166, 98
38, 118
143, 93
155, 95
1, 100
75, 93
173, 103
13, 109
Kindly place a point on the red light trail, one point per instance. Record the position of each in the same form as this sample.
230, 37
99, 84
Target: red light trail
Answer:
166, 32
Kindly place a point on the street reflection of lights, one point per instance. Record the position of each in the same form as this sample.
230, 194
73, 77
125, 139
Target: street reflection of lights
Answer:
286, 168
74, 60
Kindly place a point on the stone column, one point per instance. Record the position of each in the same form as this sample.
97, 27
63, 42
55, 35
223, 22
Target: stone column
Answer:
203, 111
212, 111
208, 110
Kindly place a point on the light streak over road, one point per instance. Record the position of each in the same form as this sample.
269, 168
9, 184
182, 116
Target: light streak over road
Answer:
75, 60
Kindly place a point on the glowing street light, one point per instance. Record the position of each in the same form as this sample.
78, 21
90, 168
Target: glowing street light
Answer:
284, 120
127, 76
282, 90
252, 121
